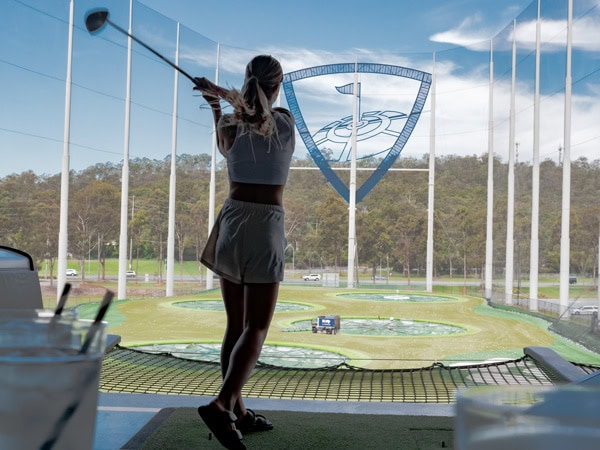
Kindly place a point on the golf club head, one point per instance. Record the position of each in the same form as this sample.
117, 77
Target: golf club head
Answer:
96, 19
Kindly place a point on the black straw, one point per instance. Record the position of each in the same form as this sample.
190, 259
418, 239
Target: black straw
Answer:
97, 321
62, 300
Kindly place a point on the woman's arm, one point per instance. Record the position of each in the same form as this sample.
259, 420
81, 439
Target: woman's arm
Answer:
215, 107
225, 137
211, 93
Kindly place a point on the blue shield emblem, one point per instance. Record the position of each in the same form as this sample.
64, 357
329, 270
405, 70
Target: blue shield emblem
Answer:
387, 129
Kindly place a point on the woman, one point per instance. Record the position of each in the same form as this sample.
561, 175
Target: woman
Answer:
246, 246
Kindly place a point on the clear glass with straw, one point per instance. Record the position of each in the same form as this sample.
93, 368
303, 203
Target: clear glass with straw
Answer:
49, 383
528, 417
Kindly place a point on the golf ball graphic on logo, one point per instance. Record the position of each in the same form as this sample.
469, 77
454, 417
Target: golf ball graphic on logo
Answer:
384, 127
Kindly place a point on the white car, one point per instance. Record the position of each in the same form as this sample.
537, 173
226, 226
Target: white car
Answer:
130, 274
588, 309
72, 273
312, 277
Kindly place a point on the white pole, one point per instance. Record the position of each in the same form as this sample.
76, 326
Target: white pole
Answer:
352, 186
213, 175
173, 181
431, 185
122, 283
510, 219
489, 241
63, 231
535, 176
566, 187
131, 238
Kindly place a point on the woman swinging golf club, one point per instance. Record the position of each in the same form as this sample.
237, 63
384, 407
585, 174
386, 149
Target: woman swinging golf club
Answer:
246, 246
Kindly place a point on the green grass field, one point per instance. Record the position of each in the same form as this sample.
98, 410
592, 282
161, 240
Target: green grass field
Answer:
585, 287
489, 333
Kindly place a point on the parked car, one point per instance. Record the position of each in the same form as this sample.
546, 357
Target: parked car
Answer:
130, 274
572, 280
312, 277
588, 309
72, 273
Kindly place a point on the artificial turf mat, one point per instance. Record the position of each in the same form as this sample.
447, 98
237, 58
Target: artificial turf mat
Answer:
182, 428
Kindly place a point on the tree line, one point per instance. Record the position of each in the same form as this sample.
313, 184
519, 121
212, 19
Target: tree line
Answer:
391, 221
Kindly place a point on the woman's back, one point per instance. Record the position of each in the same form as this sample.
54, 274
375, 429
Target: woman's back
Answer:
257, 159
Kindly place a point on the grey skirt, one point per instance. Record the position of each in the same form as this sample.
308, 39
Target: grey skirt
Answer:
247, 243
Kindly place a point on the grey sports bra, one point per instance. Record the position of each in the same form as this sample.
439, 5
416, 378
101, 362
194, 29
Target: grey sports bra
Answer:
255, 159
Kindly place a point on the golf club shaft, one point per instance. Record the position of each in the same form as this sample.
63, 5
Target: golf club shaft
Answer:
147, 47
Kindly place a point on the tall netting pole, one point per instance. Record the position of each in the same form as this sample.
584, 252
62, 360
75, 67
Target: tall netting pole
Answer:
213, 175
63, 232
510, 210
535, 176
489, 241
566, 185
170, 288
431, 187
122, 283
352, 187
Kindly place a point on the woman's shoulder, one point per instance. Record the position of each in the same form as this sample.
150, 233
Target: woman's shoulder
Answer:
284, 112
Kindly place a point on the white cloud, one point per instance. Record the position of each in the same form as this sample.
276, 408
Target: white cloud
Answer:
475, 35
469, 33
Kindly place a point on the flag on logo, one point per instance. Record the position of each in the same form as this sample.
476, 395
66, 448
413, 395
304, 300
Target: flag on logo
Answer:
348, 89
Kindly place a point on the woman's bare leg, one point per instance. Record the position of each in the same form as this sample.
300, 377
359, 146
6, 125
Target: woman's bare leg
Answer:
233, 297
259, 302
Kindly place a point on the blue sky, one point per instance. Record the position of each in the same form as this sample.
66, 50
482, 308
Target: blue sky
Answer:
399, 25
301, 34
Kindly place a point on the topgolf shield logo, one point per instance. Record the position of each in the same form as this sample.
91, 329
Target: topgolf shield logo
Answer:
383, 131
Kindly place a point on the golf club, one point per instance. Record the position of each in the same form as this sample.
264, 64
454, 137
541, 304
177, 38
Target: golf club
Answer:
96, 19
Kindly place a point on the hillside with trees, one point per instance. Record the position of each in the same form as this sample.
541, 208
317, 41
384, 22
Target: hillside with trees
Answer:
391, 221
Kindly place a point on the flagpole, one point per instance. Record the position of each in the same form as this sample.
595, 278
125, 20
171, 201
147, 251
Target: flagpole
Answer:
356, 88
352, 186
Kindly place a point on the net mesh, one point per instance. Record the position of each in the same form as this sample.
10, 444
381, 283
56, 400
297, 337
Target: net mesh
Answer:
131, 371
